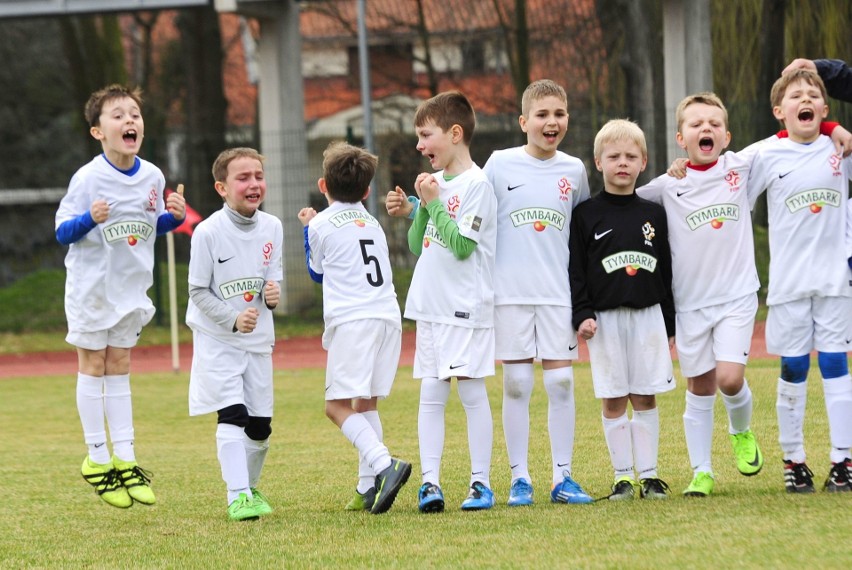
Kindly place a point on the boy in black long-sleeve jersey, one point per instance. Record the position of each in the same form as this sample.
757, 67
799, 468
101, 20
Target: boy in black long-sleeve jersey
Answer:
620, 271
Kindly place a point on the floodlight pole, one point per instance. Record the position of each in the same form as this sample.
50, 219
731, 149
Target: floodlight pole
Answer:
366, 91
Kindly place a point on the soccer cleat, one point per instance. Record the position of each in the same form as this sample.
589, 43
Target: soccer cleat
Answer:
569, 491
748, 455
104, 479
431, 499
840, 477
521, 493
701, 486
624, 489
654, 489
260, 502
136, 480
479, 498
362, 501
798, 478
388, 484
243, 509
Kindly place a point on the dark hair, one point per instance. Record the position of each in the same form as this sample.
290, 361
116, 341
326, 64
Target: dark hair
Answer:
99, 98
347, 171
445, 110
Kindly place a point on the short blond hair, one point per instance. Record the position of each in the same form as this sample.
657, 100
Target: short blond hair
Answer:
779, 88
538, 90
705, 97
620, 130
220, 165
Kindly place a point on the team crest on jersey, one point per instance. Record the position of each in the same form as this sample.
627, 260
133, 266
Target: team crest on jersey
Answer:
132, 232
152, 200
267, 252
630, 261
564, 189
715, 215
834, 161
247, 288
453, 205
733, 180
358, 217
648, 232
814, 200
432, 236
539, 218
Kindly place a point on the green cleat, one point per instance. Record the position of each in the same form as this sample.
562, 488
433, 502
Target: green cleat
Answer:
136, 480
243, 509
701, 486
362, 502
104, 479
624, 489
749, 457
260, 502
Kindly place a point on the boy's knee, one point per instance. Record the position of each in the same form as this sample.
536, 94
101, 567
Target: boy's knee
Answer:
235, 415
794, 369
833, 364
258, 428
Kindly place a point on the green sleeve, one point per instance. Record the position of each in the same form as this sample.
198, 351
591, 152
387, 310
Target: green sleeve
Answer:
461, 246
417, 230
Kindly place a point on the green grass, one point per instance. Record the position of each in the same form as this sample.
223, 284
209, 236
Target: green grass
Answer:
52, 518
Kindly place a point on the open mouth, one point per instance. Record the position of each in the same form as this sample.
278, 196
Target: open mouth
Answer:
806, 115
129, 136
705, 144
551, 134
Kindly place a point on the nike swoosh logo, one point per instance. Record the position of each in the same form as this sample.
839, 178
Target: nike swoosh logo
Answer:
756, 461
220, 260
454, 366
669, 381
572, 347
513, 466
745, 354
510, 188
599, 236
679, 194
97, 445
848, 341
562, 464
476, 473
783, 175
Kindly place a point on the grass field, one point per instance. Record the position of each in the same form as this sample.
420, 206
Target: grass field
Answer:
52, 518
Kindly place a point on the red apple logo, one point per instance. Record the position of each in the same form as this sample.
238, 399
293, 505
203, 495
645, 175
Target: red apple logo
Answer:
539, 226
816, 207
716, 224
132, 240
248, 296
359, 223
632, 270
426, 242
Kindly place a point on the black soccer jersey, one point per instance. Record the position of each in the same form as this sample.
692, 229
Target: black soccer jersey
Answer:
620, 257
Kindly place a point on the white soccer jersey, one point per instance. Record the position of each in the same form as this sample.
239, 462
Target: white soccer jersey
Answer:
535, 199
710, 232
110, 269
453, 291
235, 265
349, 248
807, 189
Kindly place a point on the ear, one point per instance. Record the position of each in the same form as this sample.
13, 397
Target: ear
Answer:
221, 189
523, 122
96, 133
644, 164
457, 133
727, 139
778, 113
598, 165
825, 111
367, 193
680, 141
322, 187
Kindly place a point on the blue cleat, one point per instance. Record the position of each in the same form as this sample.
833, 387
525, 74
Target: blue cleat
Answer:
569, 491
521, 493
431, 498
480, 498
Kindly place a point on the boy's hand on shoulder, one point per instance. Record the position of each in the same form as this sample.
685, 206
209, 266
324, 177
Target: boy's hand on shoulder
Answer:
176, 205
429, 189
306, 215
99, 211
587, 329
271, 294
247, 320
678, 168
397, 203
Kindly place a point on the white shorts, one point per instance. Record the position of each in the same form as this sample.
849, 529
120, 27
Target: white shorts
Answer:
534, 331
630, 353
443, 351
363, 356
223, 376
124, 334
720, 333
798, 327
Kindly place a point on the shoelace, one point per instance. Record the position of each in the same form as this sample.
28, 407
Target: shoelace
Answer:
135, 476
109, 481
839, 473
802, 475
616, 489
656, 485
429, 489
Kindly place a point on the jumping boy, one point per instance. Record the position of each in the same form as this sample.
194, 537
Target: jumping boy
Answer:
451, 295
234, 270
622, 305
109, 218
347, 252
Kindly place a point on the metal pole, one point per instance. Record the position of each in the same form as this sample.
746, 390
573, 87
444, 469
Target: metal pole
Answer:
366, 91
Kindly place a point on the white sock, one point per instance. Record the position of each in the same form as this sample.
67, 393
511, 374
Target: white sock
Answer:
480, 428
232, 459
645, 429
790, 408
255, 457
358, 430
561, 417
366, 476
517, 388
434, 394
838, 405
698, 427
619, 441
90, 406
119, 415
739, 407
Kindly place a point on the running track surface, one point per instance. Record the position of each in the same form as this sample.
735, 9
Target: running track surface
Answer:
291, 353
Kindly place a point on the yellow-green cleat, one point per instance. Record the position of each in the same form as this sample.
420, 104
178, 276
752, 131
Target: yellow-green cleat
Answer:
260, 502
243, 509
362, 502
104, 478
701, 486
136, 480
748, 455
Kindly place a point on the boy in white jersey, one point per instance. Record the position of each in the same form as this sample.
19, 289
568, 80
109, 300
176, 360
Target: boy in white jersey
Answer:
110, 217
347, 252
451, 295
810, 291
714, 283
234, 270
